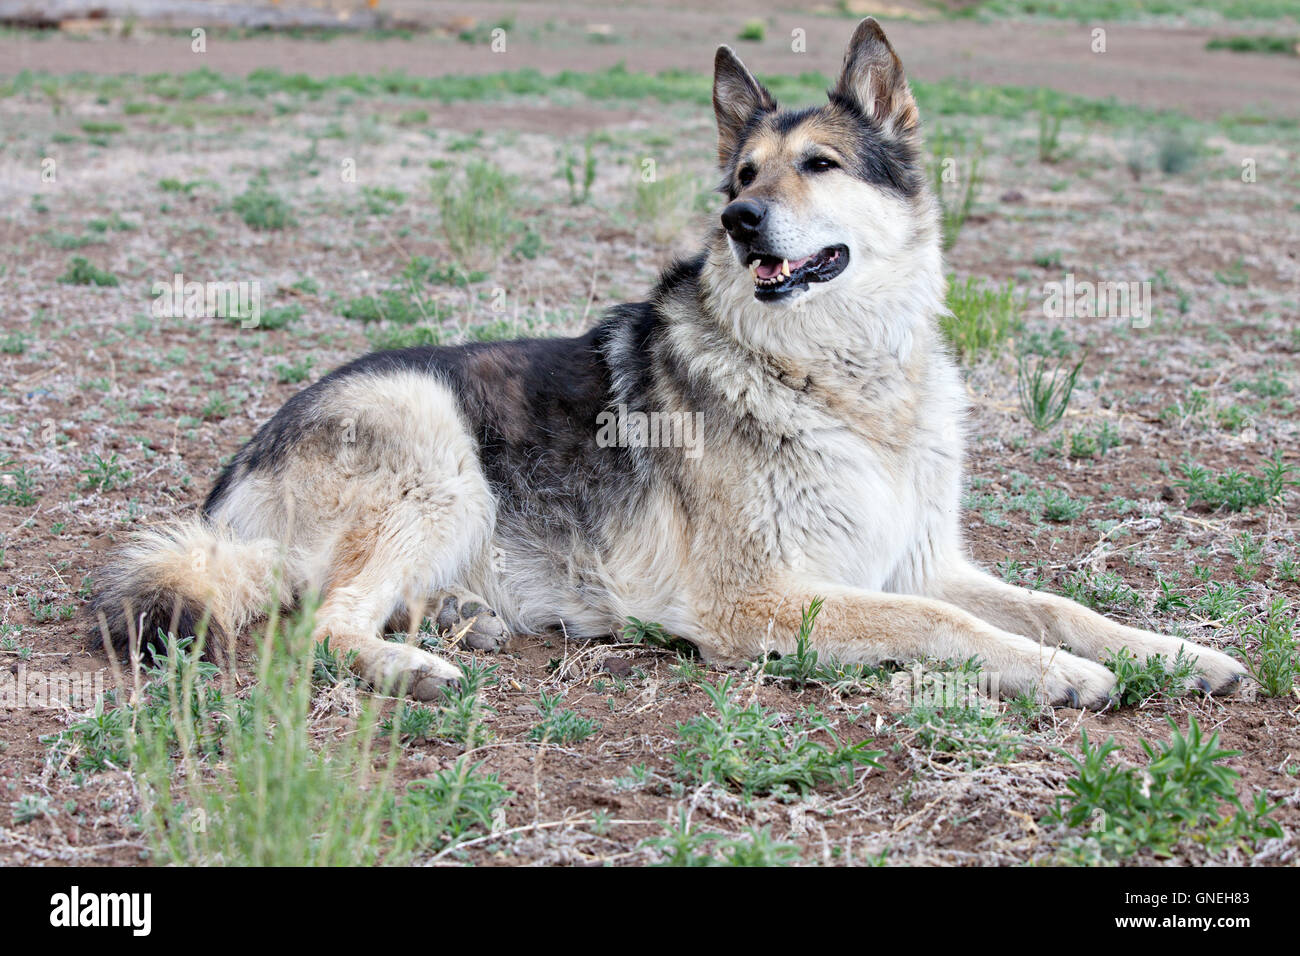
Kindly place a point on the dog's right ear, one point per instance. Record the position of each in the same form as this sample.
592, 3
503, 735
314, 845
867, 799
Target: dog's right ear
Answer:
737, 96
873, 80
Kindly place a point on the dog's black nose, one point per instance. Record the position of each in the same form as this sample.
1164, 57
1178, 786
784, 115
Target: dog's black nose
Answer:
742, 218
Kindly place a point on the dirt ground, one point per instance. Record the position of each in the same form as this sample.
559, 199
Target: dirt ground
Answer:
119, 418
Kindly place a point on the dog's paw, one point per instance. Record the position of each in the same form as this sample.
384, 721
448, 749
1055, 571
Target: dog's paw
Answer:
1063, 680
466, 618
1216, 672
402, 669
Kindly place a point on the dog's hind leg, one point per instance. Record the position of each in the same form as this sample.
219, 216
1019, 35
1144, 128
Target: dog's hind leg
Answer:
416, 513
388, 562
1058, 621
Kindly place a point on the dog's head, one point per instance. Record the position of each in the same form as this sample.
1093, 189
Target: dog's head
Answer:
820, 198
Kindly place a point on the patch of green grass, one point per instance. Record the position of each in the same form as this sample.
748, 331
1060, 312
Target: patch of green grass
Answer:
682, 845
65, 240
1234, 490
1139, 681
404, 337
381, 200
1284, 45
461, 715
101, 127
980, 315
561, 726
477, 209
439, 811
1220, 601
955, 178
262, 209
637, 631
806, 665
409, 300
290, 373
1031, 498
757, 752
183, 187
1100, 590
400, 305
17, 485
1176, 152
280, 316
969, 731
1274, 663
1049, 135
1184, 795
1088, 11
579, 194
1093, 444
81, 271
754, 31
664, 202
113, 223
1043, 397
104, 474
15, 342
29, 807
956, 97
249, 781
1058, 505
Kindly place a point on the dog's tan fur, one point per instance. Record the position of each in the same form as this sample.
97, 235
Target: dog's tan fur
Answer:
830, 464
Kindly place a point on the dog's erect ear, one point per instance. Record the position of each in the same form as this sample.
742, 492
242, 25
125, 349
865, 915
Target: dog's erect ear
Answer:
873, 80
737, 96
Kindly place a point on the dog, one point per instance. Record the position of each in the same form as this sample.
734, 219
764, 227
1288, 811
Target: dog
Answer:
780, 421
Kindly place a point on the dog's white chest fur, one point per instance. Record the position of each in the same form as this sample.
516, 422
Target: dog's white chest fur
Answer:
860, 480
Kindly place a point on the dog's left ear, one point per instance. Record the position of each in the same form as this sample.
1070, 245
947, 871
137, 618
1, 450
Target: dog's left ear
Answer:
873, 80
737, 96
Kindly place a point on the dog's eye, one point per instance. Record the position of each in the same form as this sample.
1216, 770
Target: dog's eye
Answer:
746, 175
819, 164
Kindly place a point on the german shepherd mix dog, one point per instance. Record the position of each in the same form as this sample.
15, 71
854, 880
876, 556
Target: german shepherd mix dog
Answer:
478, 482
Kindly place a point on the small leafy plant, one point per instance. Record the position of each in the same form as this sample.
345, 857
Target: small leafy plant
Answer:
1183, 795
1138, 681
753, 751
807, 666
680, 845
81, 271
1234, 490
1275, 663
559, 725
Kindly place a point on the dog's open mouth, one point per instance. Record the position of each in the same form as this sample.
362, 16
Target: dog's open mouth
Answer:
775, 277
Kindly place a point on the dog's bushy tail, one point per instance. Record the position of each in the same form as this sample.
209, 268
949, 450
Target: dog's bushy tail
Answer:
177, 577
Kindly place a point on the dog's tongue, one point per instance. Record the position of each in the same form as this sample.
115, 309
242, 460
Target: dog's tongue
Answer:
771, 268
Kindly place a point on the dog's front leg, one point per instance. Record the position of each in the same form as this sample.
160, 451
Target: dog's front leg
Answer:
1060, 622
869, 627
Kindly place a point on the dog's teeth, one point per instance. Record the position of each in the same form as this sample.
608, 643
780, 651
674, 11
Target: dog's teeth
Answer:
753, 268
785, 267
